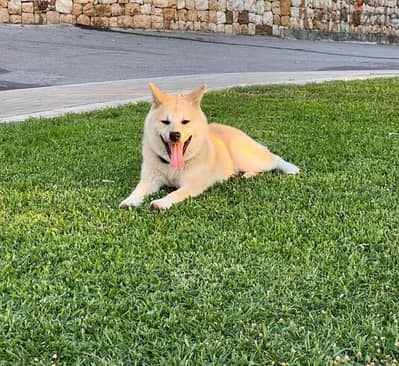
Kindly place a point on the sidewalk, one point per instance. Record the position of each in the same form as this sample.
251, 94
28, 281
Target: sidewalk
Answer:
18, 105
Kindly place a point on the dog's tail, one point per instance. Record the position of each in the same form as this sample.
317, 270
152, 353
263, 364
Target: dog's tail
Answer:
285, 166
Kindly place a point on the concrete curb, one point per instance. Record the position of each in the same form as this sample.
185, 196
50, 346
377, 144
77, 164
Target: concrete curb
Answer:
19, 105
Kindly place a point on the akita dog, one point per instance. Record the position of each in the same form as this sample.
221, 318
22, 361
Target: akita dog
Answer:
180, 149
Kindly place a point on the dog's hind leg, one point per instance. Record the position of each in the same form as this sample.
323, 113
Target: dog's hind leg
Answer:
248, 175
265, 162
252, 158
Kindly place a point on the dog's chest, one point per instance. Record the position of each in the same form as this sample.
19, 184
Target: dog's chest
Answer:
172, 176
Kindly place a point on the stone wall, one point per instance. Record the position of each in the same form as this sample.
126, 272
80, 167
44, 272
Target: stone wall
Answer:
263, 17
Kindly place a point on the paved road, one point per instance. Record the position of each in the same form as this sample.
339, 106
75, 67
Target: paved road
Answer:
33, 56
51, 70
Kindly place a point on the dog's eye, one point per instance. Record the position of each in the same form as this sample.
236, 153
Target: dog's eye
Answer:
185, 121
165, 122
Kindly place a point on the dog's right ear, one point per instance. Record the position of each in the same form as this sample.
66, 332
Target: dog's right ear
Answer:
158, 95
196, 95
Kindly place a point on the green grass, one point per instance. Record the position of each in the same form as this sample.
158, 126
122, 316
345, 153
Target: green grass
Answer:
296, 269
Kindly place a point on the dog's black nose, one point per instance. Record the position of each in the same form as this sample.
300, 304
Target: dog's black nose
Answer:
174, 136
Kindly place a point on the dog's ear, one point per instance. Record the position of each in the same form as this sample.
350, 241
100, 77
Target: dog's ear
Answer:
197, 94
158, 95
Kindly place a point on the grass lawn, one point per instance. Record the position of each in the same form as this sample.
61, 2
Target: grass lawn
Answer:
299, 269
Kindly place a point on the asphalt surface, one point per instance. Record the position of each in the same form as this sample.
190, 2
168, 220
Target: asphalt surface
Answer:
35, 56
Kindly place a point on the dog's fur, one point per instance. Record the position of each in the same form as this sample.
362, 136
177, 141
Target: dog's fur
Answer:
214, 153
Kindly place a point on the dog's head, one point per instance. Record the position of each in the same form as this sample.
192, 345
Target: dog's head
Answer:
176, 126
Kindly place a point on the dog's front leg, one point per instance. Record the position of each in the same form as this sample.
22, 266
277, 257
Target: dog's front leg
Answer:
174, 197
142, 189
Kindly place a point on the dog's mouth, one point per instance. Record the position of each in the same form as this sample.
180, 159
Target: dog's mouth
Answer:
176, 152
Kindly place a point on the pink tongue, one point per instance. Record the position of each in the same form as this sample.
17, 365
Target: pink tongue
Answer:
176, 158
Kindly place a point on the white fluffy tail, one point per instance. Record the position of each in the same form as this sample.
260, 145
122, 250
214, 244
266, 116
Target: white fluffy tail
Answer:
286, 167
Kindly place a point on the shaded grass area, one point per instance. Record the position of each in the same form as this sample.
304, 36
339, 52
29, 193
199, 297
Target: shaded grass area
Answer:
296, 269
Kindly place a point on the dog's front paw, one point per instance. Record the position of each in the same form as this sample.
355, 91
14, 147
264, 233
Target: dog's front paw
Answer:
131, 201
161, 204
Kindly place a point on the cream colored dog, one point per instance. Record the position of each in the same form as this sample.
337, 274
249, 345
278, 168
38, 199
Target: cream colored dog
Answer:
181, 150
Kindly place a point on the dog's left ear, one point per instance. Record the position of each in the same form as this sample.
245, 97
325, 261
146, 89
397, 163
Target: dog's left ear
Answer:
158, 95
197, 94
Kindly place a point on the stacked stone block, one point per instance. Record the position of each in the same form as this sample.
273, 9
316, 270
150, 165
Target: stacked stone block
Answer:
253, 17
